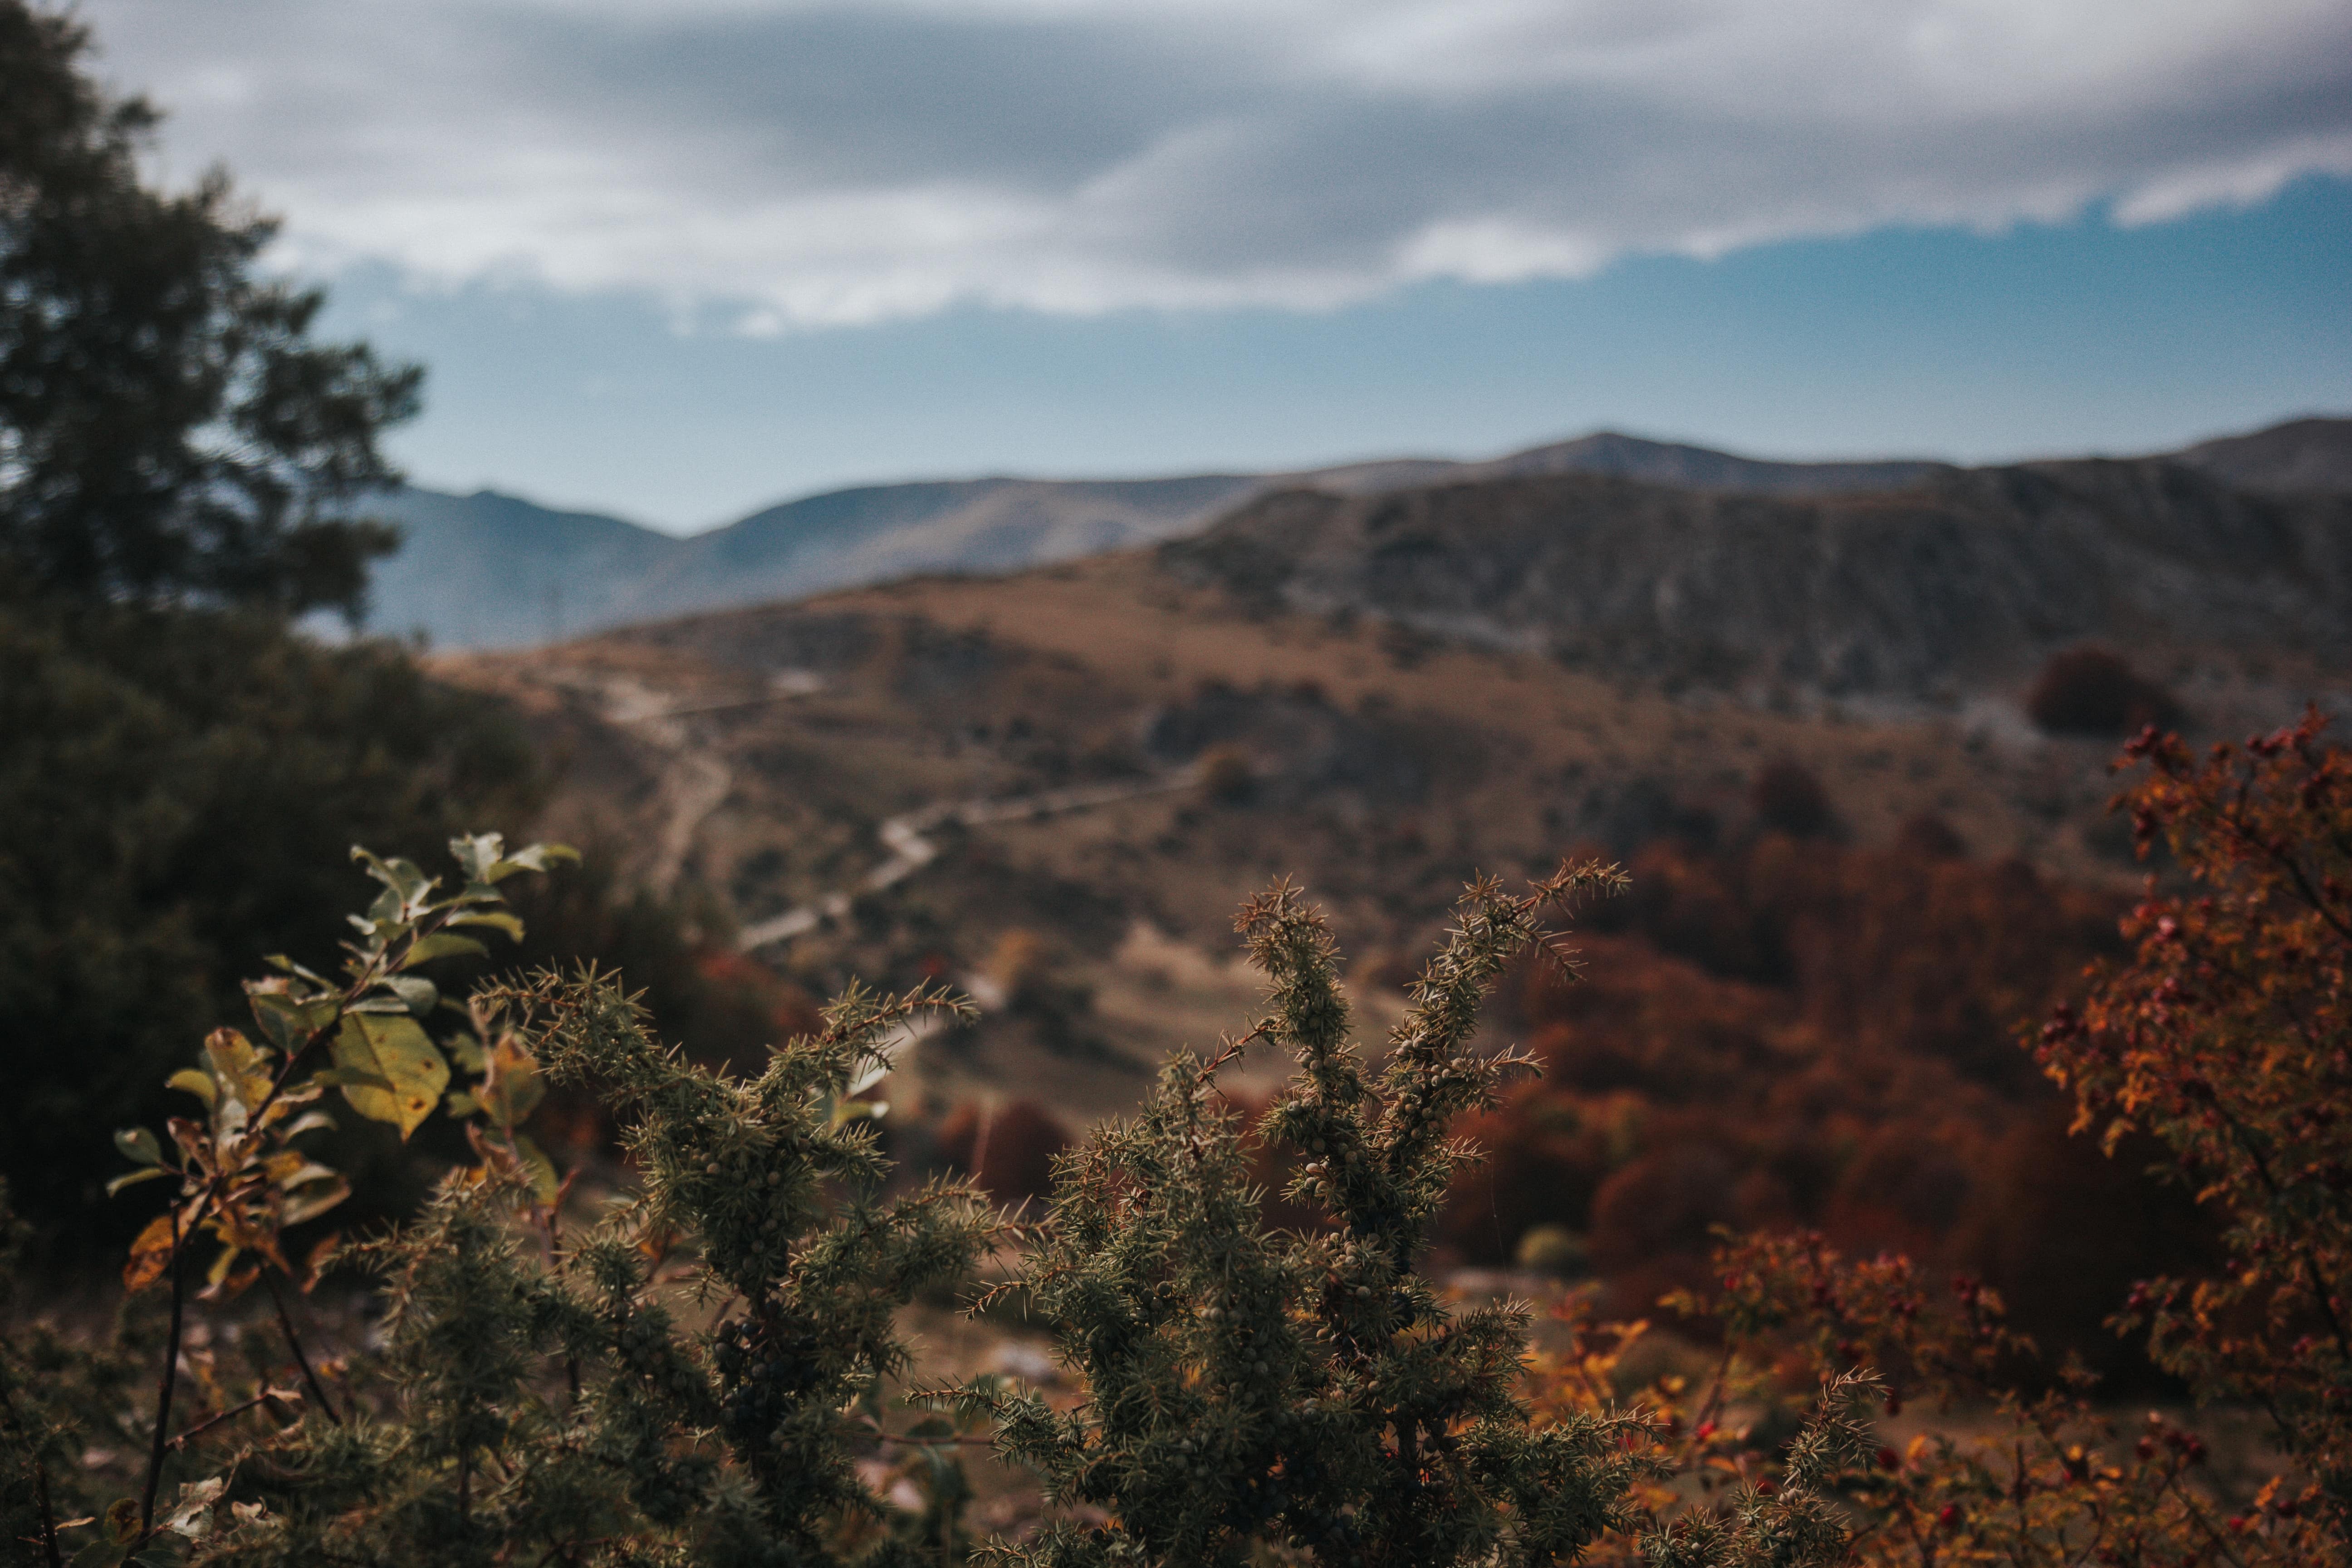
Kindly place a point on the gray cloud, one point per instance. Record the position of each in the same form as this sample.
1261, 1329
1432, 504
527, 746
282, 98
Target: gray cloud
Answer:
788, 163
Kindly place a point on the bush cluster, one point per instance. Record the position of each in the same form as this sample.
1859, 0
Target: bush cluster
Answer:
2094, 691
699, 1374
176, 794
704, 1371
1823, 1037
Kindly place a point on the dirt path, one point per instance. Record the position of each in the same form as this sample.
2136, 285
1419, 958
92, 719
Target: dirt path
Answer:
696, 781
910, 851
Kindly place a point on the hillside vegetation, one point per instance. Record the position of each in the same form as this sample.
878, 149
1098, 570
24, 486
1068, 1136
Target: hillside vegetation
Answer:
1845, 902
1966, 581
713, 1368
494, 571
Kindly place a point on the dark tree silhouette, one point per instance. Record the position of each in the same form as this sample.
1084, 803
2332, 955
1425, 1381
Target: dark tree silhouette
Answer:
168, 432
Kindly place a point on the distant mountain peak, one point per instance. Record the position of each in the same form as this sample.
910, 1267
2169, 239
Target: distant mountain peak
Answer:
2307, 454
493, 569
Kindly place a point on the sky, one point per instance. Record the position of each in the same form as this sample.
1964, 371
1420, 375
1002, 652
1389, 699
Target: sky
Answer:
676, 259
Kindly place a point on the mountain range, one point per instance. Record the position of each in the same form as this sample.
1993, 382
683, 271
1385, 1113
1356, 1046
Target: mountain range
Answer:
1963, 581
490, 570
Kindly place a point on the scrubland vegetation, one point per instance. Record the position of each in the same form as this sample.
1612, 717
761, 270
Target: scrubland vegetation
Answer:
1856, 1197
696, 1368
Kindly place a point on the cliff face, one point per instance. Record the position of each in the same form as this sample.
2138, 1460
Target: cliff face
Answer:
1964, 578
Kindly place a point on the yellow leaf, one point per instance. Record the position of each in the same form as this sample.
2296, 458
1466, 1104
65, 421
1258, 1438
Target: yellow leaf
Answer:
513, 1089
391, 1047
194, 1082
315, 1199
148, 1255
238, 1069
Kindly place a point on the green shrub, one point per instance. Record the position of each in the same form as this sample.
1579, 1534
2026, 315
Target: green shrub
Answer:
698, 1376
1253, 1392
177, 791
529, 1397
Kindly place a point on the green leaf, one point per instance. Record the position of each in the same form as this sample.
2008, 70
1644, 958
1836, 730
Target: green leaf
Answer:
190, 1517
343, 1077
290, 1021
419, 994
290, 1171
532, 858
466, 1052
199, 1084
308, 1122
402, 880
138, 1143
381, 1002
545, 1182
316, 1197
238, 1070
461, 1105
395, 1050
498, 919
132, 1178
286, 966
513, 1089
477, 853
442, 944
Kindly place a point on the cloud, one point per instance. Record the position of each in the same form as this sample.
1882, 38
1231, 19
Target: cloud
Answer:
780, 164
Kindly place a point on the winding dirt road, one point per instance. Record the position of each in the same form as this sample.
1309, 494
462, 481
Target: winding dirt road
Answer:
910, 851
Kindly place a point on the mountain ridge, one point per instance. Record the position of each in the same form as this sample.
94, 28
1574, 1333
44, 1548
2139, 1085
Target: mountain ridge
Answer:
1962, 582
491, 570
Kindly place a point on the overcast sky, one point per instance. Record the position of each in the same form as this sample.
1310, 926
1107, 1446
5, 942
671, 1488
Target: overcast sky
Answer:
676, 257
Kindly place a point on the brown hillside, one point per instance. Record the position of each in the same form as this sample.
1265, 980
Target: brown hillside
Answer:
1053, 789
1374, 763
1961, 583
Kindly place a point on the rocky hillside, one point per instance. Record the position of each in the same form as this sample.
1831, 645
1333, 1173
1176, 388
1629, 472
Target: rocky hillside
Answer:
494, 571
1966, 580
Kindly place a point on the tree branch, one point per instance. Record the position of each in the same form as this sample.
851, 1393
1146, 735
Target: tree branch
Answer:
164, 1385
309, 1378
234, 1411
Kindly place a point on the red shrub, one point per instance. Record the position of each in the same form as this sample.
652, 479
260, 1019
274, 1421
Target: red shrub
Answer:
2090, 691
1789, 798
1008, 1149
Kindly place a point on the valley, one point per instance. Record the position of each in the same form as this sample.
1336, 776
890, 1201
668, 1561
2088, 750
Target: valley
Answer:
1855, 878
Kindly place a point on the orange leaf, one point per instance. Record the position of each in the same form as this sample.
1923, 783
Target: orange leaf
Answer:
149, 1254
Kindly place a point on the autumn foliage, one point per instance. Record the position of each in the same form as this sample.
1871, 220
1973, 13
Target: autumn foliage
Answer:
2215, 1048
1007, 1150
1777, 1035
2227, 1038
1769, 1109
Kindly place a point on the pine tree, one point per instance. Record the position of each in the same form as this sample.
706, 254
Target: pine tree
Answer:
1249, 1390
169, 433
